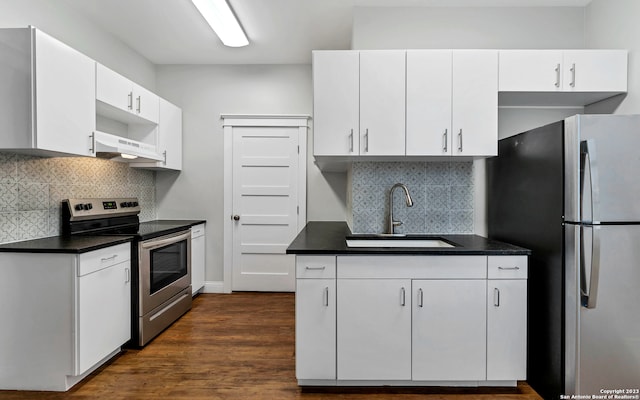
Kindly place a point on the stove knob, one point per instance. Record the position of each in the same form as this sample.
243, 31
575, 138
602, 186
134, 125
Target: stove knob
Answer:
90, 206
123, 204
129, 204
85, 207
78, 207
135, 204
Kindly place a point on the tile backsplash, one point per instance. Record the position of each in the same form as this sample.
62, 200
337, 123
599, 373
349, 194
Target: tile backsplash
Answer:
31, 189
442, 194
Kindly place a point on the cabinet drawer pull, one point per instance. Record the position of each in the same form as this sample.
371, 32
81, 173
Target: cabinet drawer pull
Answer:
130, 101
444, 141
509, 268
496, 297
139, 104
325, 297
366, 140
127, 275
314, 268
105, 259
420, 298
573, 75
557, 84
402, 297
460, 141
351, 142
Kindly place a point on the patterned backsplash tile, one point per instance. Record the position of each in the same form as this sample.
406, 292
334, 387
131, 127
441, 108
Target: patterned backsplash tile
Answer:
442, 194
32, 188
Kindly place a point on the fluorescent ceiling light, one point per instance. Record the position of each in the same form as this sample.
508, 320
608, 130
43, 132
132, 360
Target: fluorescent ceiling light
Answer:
223, 21
128, 156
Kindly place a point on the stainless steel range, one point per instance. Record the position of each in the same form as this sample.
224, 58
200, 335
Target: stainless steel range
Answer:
161, 259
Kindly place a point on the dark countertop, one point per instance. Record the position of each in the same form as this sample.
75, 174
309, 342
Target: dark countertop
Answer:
64, 244
328, 237
160, 227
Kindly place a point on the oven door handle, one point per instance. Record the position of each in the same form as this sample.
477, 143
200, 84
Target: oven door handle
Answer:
155, 243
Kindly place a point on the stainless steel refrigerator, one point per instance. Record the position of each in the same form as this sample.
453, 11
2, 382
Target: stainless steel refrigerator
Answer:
570, 192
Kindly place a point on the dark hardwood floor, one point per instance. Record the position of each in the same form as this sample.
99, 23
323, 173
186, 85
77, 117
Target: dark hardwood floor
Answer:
238, 346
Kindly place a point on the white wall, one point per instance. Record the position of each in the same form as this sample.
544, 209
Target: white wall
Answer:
614, 24
58, 20
205, 92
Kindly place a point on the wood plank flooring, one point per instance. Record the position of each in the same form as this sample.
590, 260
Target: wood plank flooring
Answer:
238, 346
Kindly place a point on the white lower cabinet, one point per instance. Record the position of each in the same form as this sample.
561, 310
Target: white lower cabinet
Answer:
426, 320
198, 258
449, 330
374, 329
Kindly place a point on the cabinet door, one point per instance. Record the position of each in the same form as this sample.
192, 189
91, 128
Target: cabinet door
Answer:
114, 89
506, 329
449, 330
146, 104
65, 113
170, 135
198, 258
475, 103
595, 70
374, 329
530, 70
316, 328
103, 314
335, 103
429, 102
382, 102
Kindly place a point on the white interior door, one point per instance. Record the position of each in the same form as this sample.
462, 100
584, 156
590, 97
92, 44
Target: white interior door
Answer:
265, 207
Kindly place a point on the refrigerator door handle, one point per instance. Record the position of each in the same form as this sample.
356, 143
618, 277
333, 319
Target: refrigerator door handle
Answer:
590, 297
589, 158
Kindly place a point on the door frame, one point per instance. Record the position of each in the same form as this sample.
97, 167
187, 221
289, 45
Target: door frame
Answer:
229, 122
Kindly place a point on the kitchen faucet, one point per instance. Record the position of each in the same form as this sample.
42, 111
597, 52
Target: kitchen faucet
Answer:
392, 224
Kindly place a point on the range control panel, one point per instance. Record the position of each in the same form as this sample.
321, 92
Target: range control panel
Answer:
93, 208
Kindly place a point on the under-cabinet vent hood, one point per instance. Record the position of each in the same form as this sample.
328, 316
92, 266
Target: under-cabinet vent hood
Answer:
122, 149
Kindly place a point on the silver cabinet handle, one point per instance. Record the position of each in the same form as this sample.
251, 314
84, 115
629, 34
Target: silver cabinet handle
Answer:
139, 101
314, 268
420, 298
366, 140
164, 154
496, 297
325, 297
92, 149
105, 259
351, 142
460, 141
444, 142
127, 275
130, 101
557, 75
588, 299
509, 268
402, 297
573, 75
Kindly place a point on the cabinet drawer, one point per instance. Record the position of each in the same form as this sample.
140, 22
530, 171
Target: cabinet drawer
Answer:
412, 267
507, 267
315, 267
96, 260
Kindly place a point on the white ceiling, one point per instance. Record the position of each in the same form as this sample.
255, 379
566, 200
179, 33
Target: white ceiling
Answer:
279, 31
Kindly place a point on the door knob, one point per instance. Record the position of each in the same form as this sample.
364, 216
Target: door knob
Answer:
236, 218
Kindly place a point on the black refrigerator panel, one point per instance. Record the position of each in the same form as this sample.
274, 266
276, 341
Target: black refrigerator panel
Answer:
525, 207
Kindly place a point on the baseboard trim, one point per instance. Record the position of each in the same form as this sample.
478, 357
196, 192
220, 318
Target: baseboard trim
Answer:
213, 287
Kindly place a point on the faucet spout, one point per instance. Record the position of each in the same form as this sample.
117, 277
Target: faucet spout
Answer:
391, 227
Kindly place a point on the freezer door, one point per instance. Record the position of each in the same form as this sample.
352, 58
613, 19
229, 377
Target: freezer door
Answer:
603, 335
602, 157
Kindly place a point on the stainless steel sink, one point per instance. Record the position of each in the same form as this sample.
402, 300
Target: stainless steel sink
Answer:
391, 241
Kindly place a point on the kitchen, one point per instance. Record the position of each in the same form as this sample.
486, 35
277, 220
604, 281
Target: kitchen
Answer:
207, 88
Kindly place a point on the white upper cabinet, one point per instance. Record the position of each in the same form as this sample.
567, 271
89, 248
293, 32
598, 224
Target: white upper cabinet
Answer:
120, 98
452, 100
382, 102
561, 77
169, 138
429, 81
336, 102
47, 101
475, 103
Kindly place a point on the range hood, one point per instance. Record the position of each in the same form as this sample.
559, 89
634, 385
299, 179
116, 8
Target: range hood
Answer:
117, 148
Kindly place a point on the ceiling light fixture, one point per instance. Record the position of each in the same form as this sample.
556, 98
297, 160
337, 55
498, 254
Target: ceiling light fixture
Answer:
128, 156
223, 21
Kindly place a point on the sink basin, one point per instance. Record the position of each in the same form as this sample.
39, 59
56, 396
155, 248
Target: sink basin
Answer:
398, 241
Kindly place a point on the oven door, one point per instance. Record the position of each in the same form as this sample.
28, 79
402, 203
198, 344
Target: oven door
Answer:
164, 269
